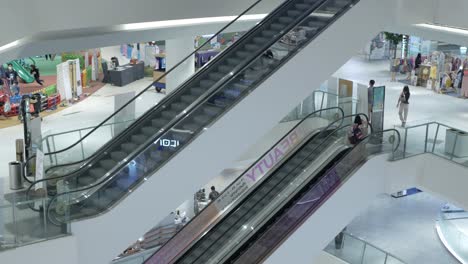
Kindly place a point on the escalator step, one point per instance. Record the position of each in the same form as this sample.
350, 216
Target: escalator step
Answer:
212, 110
260, 40
268, 33
294, 13
241, 87
159, 123
188, 98
118, 155
107, 164
316, 24
202, 120
113, 193
129, 147
149, 131
216, 76
86, 180
232, 93
97, 173
191, 126
139, 139
286, 20
197, 91
207, 83
179, 107
243, 54
302, 6
171, 114
252, 47
277, 26
234, 61
224, 69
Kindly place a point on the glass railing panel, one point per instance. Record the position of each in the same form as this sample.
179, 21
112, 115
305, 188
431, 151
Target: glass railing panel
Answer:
144, 104
373, 255
393, 260
23, 222
347, 248
318, 191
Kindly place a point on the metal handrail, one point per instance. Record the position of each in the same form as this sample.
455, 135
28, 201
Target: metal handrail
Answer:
238, 69
427, 124
224, 80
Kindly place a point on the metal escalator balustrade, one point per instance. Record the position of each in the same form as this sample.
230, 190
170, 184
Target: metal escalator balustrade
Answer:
109, 176
267, 196
280, 226
310, 126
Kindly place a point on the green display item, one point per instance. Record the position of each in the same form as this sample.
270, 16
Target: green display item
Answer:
68, 56
50, 90
89, 71
23, 73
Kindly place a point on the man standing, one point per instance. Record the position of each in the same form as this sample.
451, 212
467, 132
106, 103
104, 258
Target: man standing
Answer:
370, 98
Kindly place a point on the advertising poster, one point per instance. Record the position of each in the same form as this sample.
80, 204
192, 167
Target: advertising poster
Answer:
379, 99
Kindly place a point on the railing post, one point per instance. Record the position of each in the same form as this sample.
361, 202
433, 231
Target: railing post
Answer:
81, 143
386, 257
53, 143
435, 139
427, 134
454, 146
363, 253
404, 144
48, 150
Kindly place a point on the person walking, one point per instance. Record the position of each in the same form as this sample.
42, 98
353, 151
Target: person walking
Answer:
213, 194
35, 72
403, 105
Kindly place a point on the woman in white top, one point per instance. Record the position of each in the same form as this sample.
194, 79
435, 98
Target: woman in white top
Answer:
403, 105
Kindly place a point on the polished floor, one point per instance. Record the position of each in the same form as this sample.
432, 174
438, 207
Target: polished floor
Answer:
404, 227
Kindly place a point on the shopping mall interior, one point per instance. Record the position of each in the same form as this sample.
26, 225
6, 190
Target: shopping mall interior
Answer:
303, 131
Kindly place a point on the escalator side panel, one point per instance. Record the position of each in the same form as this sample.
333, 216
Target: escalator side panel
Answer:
273, 235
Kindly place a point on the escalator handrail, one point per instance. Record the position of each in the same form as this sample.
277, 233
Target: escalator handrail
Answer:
339, 127
238, 69
213, 89
171, 95
363, 141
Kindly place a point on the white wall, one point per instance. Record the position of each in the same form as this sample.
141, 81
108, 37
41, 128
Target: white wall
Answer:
59, 251
38, 17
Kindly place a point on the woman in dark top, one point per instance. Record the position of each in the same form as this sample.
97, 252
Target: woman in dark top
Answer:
418, 61
36, 74
403, 104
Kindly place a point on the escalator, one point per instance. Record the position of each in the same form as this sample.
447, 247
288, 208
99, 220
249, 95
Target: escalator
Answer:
88, 187
266, 217
206, 234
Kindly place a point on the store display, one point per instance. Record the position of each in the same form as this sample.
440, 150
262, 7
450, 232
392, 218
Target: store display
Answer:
125, 74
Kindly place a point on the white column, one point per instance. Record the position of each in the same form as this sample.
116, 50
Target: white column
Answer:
176, 50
